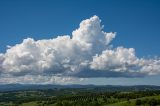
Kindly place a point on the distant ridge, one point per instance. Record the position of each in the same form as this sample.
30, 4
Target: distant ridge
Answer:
15, 87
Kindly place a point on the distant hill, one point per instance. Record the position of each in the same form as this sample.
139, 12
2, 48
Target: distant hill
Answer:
15, 87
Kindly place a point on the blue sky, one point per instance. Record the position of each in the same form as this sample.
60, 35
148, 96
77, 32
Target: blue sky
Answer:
136, 23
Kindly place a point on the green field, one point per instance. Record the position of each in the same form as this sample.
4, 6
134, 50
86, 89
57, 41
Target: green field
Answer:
131, 102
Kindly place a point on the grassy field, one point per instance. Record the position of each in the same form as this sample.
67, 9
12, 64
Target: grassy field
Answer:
30, 104
132, 102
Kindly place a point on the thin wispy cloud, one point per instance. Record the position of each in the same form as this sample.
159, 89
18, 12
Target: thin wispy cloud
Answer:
87, 53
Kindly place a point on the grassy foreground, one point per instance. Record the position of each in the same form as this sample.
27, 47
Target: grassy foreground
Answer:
131, 102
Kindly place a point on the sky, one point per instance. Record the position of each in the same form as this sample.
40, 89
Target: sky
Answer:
65, 42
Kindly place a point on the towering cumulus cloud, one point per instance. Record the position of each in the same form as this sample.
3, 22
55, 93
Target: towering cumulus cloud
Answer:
86, 53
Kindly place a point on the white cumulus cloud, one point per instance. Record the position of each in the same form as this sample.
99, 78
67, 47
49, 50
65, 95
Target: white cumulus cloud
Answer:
88, 52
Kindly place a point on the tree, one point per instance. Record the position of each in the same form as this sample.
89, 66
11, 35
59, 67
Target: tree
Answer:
59, 104
138, 102
153, 102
